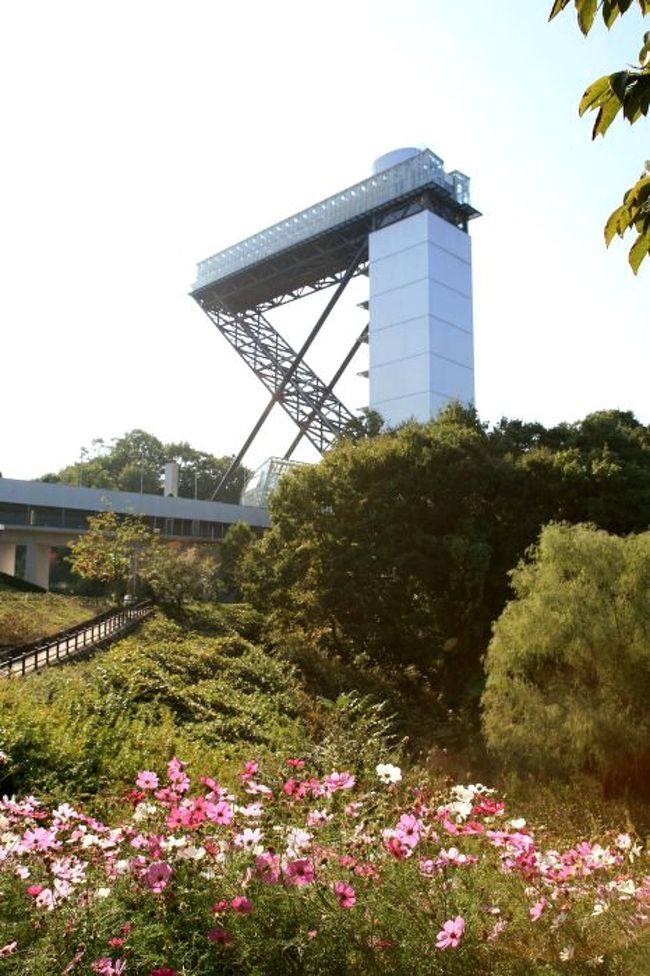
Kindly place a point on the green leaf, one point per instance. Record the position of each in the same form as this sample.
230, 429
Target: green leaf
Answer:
645, 50
610, 12
595, 94
558, 7
606, 115
618, 82
617, 223
586, 14
637, 195
640, 249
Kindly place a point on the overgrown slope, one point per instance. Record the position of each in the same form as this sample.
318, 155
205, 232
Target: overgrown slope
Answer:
89, 725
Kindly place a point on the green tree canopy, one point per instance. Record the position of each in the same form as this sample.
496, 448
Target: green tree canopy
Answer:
398, 547
115, 549
134, 462
568, 667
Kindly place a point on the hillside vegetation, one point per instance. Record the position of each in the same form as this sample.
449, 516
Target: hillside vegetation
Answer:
27, 616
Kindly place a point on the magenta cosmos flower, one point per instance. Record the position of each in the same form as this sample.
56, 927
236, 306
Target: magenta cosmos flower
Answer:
300, 872
451, 933
157, 876
345, 894
241, 904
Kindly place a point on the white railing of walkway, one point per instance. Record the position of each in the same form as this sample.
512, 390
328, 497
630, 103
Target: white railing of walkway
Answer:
59, 647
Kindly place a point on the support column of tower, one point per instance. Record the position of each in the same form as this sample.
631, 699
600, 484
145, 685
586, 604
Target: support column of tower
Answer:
37, 565
8, 558
421, 330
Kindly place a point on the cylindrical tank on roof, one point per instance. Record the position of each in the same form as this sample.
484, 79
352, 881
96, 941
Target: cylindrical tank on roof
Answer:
171, 479
392, 158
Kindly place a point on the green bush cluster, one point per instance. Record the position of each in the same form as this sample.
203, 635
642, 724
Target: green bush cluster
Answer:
569, 663
81, 726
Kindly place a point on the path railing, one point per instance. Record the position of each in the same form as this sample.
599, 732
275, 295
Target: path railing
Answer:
66, 643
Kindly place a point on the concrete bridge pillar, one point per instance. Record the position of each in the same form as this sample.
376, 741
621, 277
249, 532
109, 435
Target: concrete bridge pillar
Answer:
37, 565
8, 558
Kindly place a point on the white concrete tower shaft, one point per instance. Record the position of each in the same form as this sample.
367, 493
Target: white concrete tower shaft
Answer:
421, 327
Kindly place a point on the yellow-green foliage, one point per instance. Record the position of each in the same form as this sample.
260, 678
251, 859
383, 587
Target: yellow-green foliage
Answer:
26, 616
87, 725
569, 664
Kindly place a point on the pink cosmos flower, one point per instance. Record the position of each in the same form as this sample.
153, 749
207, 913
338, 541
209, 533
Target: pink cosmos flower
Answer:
339, 781
451, 933
345, 894
106, 967
300, 872
158, 875
221, 812
241, 904
220, 935
267, 867
250, 768
162, 971
408, 829
40, 839
537, 908
177, 775
296, 763
7, 949
147, 780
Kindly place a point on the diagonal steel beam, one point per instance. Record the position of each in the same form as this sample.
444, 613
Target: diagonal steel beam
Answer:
319, 414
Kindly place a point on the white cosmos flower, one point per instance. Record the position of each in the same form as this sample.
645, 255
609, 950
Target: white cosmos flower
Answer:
388, 773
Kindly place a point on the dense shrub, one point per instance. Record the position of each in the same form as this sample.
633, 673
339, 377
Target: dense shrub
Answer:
86, 724
568, 668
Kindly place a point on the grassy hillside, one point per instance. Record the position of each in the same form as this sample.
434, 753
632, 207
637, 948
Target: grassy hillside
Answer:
26, 616
210, 695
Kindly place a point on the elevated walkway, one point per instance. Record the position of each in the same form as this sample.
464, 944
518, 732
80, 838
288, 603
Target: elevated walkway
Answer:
42, 516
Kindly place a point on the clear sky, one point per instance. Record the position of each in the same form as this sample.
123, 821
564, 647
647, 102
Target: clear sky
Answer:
140, 137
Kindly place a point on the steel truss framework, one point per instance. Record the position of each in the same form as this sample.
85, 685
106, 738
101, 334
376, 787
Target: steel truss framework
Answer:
237, 306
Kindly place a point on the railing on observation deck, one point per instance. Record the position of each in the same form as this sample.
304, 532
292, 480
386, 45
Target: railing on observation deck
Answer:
417, 172
65, 644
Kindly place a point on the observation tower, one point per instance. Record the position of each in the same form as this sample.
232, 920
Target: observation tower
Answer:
405, 226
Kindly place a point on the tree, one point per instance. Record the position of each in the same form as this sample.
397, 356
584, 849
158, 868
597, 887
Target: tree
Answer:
178, 573
568, 667
383, 549
398, 547
234, 546
626, 91
135, 461
114, 550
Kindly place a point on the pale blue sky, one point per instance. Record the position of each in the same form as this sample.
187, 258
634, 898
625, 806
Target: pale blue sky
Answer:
141, 137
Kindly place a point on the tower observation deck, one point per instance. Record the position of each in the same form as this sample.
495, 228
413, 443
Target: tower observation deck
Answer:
320, 247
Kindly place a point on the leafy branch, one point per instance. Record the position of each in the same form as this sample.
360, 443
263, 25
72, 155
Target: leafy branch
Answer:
628, 92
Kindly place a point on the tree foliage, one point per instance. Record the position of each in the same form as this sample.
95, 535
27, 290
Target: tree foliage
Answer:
178, 573
568, 667
234, 546
114, 549
398, 547
627, 92
135, 461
